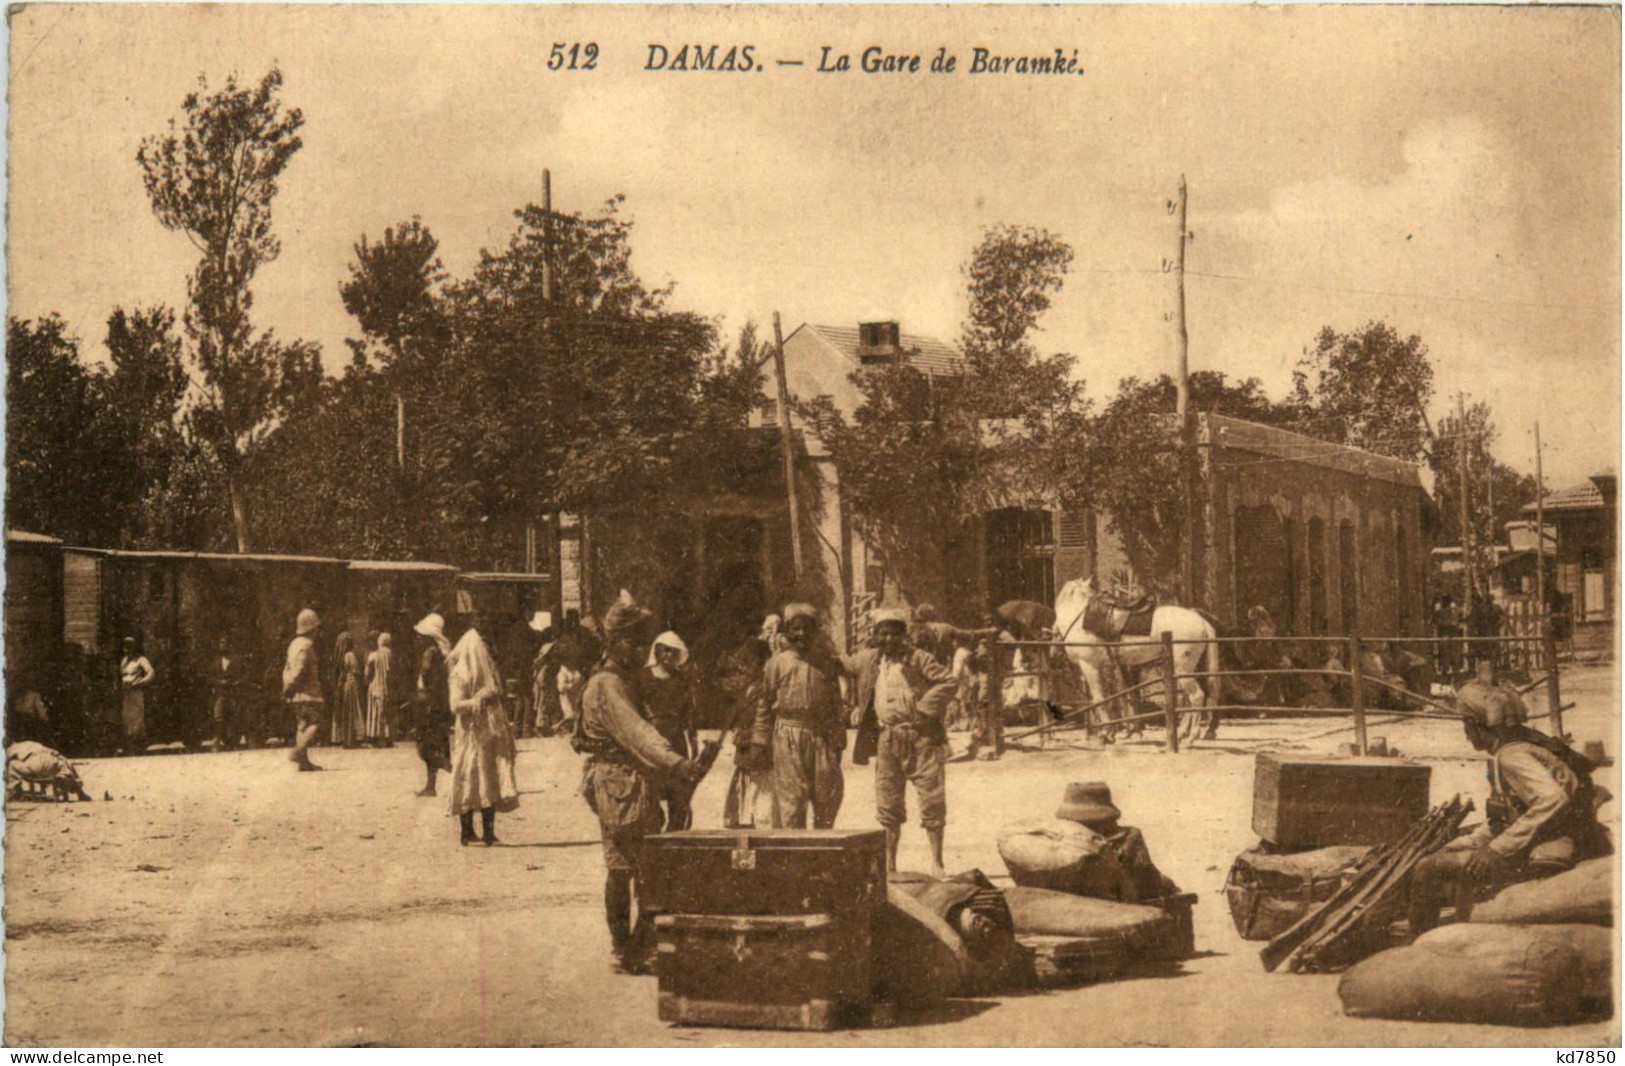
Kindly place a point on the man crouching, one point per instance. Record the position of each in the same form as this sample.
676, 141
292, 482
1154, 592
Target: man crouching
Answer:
1540, 818
625, 755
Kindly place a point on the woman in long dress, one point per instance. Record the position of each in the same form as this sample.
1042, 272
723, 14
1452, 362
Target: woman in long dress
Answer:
379, 663
349, 717
482, 746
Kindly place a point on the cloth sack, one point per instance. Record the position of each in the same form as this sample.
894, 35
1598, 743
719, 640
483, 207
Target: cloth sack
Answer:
1268, 893
1142, 930
1584, 894
1528, 975
919, 958
32, 762
1060, 855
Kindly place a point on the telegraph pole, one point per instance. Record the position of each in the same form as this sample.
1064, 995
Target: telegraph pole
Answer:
1540, 527
1182, 410
1461, 478
786, 444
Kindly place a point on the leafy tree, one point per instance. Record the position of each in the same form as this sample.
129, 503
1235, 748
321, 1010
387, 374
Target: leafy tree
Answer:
567, 403
392, 291
58, 446
143, 393
1369, 388
1489, 478
213, 176
1127, 462
919, 455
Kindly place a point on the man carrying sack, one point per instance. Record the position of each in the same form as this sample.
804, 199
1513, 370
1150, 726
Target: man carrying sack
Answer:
903, 693
626, 761
1540, 819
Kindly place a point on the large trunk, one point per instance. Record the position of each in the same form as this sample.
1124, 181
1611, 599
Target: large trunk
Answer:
239, 512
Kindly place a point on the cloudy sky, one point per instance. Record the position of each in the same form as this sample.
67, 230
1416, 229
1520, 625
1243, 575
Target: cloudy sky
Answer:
1454, 171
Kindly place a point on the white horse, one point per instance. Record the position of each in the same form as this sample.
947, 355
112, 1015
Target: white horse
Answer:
1088, 652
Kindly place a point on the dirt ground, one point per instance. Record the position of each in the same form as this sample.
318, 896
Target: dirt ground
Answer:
222, 899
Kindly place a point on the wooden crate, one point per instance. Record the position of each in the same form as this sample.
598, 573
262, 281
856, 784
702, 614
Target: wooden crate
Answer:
1316, 803
804, 971
1060, 961
764, 871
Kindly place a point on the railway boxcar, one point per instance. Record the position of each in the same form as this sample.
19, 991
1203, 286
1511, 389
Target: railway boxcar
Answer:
33, 628
180, 605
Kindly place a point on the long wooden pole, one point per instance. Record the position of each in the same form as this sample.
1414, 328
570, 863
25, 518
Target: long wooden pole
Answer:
786, 444
1182, 410
1468, 570
555, 520
1540, 531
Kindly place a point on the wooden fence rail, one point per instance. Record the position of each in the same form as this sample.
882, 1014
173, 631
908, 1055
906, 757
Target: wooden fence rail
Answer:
1168, 677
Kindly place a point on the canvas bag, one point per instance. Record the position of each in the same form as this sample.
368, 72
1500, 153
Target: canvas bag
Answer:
1528, 975
1267, 893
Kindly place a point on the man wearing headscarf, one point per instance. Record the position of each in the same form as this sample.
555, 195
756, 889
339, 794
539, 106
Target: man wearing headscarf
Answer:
800, 715
902, 696
302, 687
668, 693
433, 703
1540, 819
627, 759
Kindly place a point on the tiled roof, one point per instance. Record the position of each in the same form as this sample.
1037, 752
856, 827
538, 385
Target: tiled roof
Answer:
925, 353
1581, 497
17, 536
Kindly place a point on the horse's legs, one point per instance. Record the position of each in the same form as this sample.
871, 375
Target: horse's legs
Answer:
1097, 692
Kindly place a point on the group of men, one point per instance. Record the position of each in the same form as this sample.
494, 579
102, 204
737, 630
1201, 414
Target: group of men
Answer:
891, 696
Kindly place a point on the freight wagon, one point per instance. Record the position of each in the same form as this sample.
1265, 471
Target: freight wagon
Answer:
33, 627
180, 606
390, 597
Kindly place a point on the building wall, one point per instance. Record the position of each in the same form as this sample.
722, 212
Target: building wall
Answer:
1585, 542
1351, 552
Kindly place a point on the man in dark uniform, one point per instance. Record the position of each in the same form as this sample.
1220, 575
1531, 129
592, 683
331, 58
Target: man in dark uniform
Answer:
626, 758
1540, 819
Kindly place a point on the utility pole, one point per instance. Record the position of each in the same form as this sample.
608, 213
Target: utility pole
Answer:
1461, 478
1540, 529
786, 444
1182, 410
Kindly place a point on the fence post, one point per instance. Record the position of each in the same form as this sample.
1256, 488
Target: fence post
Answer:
992, 721
1554, 693
1170, 692
1357, 697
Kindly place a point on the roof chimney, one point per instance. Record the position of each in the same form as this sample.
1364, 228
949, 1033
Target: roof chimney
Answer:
879, 342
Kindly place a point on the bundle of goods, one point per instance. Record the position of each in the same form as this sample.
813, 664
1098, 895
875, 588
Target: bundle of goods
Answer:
1060, 855
978, 913
1084, 850
1525, 975
1318, 818
1077, 938
766, 928
919, 957
1354, 921
1268, 892
1584, 894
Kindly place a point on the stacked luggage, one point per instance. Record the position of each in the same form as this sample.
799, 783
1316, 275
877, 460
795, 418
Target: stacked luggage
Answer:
1316, 819
766, 929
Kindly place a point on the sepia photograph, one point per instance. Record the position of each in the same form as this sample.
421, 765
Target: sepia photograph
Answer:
601, 526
